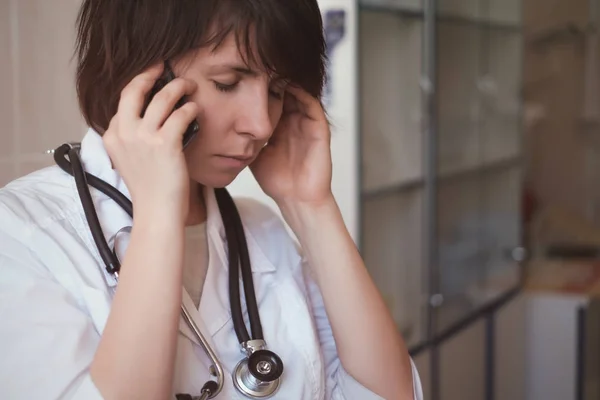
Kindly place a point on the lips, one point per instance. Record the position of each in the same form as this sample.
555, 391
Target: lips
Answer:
234, 161
242, 158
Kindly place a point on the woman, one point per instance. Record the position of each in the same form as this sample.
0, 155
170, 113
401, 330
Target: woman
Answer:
252, 71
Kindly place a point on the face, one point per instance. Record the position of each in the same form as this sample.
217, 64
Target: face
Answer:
240, 108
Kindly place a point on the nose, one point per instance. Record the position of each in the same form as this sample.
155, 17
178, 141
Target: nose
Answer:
254, 118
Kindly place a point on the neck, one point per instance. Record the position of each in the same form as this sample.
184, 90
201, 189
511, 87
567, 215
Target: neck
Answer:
197, 207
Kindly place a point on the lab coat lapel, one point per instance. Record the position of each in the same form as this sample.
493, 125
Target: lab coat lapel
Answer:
214, 310
215, 307
197, 319
259, 262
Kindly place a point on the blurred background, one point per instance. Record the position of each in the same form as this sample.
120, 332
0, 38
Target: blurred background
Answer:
466, 150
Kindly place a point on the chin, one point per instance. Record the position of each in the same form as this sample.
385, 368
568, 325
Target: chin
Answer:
215, 180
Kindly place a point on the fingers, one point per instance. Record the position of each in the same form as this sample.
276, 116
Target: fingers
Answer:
290, 104
304, 103
133, 96
178, 121
164, 102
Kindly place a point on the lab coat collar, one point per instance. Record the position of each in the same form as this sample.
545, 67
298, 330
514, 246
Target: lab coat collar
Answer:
96, 161
216, 231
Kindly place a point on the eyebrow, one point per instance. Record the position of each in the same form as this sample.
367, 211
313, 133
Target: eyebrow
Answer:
240, 68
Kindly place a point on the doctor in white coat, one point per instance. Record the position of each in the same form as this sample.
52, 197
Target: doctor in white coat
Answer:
68, 331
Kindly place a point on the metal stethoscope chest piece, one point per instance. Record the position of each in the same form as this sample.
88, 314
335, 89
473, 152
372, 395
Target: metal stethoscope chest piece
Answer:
258, 374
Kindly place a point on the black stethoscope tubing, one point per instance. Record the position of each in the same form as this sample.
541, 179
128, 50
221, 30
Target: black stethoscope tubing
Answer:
234, 231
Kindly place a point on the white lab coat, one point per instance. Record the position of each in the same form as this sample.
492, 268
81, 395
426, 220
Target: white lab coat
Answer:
55, 296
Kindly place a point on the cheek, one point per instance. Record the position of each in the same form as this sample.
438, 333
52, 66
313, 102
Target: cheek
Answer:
212, 130
214, 121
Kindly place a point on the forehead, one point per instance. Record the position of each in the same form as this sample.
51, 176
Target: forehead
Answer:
229, 51
233, 54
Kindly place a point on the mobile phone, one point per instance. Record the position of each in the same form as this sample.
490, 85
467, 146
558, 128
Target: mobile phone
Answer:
166, 77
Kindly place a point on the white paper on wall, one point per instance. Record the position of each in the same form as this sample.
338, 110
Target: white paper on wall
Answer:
334, 23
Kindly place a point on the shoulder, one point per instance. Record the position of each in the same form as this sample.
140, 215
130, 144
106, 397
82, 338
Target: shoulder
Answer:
34, 201
42, 229
37, 214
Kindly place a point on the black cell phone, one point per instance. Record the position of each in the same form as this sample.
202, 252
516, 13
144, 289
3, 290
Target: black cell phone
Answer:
161, 82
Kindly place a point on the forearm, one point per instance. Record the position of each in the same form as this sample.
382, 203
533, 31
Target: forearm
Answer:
368, 342
135, 357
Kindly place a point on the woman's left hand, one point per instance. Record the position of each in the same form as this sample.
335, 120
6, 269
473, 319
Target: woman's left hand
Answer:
295, 167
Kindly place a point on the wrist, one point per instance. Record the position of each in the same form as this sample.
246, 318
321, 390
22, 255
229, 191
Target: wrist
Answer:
158, 214
163, 221
304, 217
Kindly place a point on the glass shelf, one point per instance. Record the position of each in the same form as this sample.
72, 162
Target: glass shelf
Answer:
459, 102
501, 228
504, 14
479, 113
392, 249
477, 121
478, 226
501, 111
494, 164
464, 9
390, 99
409, 7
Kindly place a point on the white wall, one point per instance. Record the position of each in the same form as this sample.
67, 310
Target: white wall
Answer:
38, 105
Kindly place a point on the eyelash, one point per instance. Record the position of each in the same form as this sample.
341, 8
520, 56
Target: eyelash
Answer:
221, 87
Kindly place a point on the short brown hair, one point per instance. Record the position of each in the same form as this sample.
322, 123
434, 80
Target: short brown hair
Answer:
118, 39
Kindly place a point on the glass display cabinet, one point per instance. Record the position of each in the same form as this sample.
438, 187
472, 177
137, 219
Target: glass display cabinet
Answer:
440, 143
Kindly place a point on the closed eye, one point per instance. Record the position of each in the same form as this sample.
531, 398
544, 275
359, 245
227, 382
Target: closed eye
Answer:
223, 87
276, 90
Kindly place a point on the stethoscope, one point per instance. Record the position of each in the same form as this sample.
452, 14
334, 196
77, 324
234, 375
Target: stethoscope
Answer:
258, 374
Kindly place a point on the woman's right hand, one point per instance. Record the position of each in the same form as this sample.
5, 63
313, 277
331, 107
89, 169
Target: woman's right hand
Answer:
147, 151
